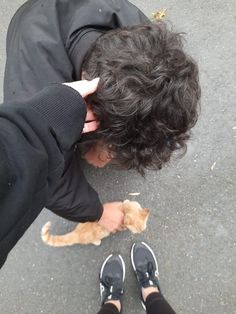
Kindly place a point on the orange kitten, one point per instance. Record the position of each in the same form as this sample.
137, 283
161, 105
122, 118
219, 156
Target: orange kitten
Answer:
135, 219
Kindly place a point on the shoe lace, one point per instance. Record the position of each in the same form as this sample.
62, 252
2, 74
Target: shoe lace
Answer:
147, 275
113, 290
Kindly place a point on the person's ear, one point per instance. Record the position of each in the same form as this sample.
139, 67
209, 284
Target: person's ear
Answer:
84, 76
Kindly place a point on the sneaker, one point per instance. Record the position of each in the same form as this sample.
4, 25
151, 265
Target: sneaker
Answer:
112, 276
145, 267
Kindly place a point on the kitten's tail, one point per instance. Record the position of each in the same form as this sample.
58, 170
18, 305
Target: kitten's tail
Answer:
46, 237
53, 240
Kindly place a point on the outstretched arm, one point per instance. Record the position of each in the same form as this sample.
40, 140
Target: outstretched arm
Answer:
33, 137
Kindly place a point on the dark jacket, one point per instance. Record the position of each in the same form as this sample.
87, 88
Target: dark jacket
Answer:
46, 42
35, 136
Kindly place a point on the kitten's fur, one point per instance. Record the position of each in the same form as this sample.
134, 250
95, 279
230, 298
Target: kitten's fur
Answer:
135, 219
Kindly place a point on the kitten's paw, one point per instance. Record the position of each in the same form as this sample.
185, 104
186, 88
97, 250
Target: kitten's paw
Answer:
97, 243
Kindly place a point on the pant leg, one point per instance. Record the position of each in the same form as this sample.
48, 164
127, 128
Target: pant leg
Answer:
156, 304
108, 309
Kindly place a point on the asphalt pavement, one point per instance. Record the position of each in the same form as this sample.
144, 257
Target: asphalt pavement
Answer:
192, 201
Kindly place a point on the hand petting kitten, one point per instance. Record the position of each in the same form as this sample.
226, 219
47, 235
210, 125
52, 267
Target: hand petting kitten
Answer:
135, 220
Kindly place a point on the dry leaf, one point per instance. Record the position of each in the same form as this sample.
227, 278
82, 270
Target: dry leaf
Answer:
159, 15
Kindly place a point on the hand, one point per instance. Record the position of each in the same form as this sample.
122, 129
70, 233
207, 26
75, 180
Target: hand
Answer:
112, 218
86, 88
91, 124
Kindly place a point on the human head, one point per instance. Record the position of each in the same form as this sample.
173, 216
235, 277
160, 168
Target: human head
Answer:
148, 95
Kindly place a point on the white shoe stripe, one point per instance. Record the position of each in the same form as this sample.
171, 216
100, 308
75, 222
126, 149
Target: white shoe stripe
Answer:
123, 264
132, 257
153, 255
104, 263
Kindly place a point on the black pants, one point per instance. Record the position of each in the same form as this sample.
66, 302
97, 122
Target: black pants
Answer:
155, 304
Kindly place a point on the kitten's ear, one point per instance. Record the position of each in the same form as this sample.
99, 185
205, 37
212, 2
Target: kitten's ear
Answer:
145, 212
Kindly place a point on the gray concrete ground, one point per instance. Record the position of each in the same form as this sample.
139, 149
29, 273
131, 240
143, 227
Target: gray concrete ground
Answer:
192, 223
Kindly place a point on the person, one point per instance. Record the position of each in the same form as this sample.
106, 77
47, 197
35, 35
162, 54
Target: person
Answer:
112, 276
146, 103
35, 136
47, 41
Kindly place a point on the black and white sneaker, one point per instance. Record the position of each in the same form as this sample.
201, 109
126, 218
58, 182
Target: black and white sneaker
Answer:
112, 276
145, 267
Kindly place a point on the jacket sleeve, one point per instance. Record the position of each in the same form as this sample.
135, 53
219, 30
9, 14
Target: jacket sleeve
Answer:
33, 138
73, 197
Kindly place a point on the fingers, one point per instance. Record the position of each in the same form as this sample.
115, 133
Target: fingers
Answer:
90, 115
84, 87
112, 217
90, 87
91, 123
120, 228
90, 126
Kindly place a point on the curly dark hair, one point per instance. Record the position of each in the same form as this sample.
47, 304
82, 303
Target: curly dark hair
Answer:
148, 95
